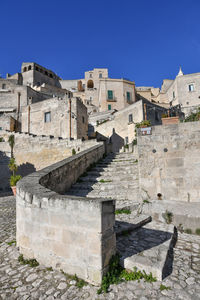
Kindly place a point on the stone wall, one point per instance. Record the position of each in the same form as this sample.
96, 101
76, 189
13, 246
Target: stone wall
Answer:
68, 233
33, 153
58, 124
169, 162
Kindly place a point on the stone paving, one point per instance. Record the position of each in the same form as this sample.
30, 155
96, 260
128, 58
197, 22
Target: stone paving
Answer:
24, 282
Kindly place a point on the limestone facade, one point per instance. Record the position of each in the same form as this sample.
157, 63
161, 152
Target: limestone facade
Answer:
169, 162
101, 93
119, 127
66, 118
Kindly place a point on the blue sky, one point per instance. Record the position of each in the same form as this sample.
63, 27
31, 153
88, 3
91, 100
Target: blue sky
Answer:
145, 41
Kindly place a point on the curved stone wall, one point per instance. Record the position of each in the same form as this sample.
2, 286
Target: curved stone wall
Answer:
73, 234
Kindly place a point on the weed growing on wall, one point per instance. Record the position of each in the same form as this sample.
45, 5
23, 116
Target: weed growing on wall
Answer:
123, 211
117, 274
168, 216
31, 262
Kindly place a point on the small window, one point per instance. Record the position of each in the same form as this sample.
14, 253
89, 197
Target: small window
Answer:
25, 69
36, 68
47, 117
173, 95
100, 75
51, 75
110, 95
109, 107
191, 87
46, 73
83, 119
187, 103
128, 96
3, 86
90, 75
130, 118
29, 68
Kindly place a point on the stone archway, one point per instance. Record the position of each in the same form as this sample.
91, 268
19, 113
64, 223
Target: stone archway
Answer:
90, 84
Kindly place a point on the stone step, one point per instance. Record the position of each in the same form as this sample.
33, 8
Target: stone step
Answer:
123, 197
109, 177
116, 164
104, 186
122, 228
129, 169
149, 248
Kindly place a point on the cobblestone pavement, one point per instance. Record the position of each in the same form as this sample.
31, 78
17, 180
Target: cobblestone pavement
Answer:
24, 282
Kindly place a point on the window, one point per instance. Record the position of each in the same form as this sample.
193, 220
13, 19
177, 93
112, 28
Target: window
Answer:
191, 87
37, 69
90, 75
109, 107
25, 69
187, 103
47, 117
29, 68
130, 118
46, 73
110, 95
3, 86
128, 96
83, 119
100, 75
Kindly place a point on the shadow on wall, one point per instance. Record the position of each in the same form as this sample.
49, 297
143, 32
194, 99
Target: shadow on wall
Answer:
26, 169
4, 172
23, 170
115, 139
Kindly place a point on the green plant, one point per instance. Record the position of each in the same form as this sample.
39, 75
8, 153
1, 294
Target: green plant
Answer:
31, 262
136, 161
123, 211
104, 181
11, 142
163, 287
13, 242
143, 123
197, 231
188, 231
194, 116
134, 142
164, 116
14, 179
146, 201
1, 139
49, 269
168, 216
73, 151
12, 166
117, 274
126, 146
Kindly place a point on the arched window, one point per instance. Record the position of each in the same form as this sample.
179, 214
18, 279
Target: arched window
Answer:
29, 67
90, 84
25, 69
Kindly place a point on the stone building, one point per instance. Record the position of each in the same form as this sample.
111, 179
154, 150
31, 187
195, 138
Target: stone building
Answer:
25, 97
119, 126
101, 93
184, 90
66, 118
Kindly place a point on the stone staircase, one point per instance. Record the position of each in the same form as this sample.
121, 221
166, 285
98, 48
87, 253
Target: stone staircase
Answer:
141, 242
115, 177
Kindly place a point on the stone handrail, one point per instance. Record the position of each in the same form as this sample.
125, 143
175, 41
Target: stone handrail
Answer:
71, 233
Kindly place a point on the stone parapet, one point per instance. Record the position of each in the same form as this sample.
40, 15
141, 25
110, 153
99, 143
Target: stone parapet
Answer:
69, 233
